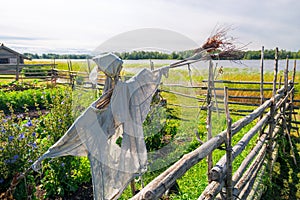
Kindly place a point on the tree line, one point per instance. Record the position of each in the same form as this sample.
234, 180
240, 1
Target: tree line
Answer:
57, 56
270, 54
138, 55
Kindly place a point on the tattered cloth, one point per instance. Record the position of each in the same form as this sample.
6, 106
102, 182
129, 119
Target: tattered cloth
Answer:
96, 131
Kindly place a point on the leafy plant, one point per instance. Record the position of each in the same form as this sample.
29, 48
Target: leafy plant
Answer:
23, 139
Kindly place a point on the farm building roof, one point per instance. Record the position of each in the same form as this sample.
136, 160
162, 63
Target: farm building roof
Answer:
13, 52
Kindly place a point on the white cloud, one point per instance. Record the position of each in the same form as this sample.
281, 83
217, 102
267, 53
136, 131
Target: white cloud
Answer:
86, 24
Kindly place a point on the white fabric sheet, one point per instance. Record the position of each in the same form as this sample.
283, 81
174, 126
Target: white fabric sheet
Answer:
95, 133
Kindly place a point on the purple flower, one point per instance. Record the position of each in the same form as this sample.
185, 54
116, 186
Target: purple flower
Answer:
15, 157
28, 124
7, 161
62, 164
4, 120
10, 138
20, 116
33, 134
21, 136
1, 148
34, 145
1, 180
3, 130
30, 161
8, 117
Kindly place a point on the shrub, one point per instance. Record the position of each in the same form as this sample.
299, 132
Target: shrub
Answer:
29, 97
23, 139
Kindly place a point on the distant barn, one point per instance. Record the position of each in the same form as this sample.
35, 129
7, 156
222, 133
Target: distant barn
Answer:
9, 56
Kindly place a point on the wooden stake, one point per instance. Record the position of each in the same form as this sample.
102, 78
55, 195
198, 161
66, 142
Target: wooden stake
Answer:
286, 71
262, 76
286, 74
17, 68
280, 79
293, 95
275, 71
228, 181
208, 119
261, 80
133, 188
272, 111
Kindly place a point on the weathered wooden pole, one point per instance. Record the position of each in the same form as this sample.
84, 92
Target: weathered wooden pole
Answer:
151, 65
275, 71
274, 93
287, 122
272, 112
133, 188
17, 68
286, 74
262, 76
53, 73
208, 119
280, 80
293, 96
294, 71
228, 181
261, 81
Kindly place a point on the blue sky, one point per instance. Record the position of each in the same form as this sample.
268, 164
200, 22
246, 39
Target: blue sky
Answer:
67, 25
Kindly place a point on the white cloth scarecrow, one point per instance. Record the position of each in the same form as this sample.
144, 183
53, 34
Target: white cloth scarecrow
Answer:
96, 131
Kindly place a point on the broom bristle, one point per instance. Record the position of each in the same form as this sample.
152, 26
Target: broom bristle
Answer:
221, 45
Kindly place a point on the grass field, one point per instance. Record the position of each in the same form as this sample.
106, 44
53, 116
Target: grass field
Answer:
286, 176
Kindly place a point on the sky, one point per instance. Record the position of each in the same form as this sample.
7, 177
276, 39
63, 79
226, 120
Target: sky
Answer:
69, 26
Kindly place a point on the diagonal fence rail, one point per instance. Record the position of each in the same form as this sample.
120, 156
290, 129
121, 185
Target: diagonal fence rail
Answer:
273, 118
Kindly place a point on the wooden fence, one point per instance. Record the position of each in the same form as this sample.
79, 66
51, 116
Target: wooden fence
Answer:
274, 117
48, 72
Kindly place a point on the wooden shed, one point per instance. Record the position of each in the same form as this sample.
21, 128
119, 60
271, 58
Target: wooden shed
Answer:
9, 56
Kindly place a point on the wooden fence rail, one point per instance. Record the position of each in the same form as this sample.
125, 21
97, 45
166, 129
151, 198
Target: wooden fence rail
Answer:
165, 180
271, 116
47, 72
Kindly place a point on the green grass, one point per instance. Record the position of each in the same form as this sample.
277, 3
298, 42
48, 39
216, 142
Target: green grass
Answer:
191, 119
284, 181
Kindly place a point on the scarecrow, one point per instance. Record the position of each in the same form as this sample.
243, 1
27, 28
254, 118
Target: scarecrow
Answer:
118, 114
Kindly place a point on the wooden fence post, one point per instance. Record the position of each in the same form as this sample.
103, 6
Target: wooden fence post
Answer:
17, 68
285, 78
272, 112
208, 119
280, 80
292, 97
228, 181
286, 74
262, 76
286, 122
275, 71
151, 65
261, 81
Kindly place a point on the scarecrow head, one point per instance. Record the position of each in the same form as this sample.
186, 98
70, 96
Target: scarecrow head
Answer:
109, 63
